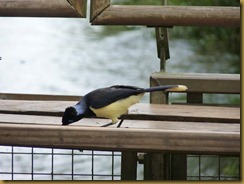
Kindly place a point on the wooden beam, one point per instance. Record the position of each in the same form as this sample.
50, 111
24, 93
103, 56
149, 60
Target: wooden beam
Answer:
121, 139
97, 6
38, 97
79, 6
140, 111
141, 124
168, 16
42, 8
201, 82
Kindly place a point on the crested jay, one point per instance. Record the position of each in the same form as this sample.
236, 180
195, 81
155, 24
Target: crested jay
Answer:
110, 102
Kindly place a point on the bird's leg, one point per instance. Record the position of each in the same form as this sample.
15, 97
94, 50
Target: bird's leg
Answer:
120, 123
108, 124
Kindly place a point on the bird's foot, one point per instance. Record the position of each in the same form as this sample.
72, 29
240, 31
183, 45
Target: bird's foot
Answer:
108, 124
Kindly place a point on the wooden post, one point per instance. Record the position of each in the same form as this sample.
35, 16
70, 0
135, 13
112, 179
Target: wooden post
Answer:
156, 166
157, 97
129, 165
178, 167
159, 166
162, 46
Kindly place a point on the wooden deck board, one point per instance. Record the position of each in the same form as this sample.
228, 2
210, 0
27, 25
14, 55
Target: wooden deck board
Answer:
201, 82
139, 111
134, 124
120, 139
38, 124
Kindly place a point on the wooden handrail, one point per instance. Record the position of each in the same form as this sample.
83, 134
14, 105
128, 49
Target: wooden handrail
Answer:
168, 16
43, 8
141, 111
223, 140
151, 127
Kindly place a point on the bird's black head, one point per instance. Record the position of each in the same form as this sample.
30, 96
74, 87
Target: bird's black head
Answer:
70, 116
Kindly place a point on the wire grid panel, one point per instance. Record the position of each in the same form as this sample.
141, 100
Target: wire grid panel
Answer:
213, 167
21, 163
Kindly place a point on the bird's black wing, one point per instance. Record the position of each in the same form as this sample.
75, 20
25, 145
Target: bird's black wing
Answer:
104, 96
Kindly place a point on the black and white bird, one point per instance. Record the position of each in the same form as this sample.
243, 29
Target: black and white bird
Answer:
111, 102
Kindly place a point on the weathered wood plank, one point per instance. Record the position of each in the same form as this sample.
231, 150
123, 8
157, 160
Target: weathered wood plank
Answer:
97, 6
187, 113
39, 8
79, 6
120, 139
139, 111
168, 16
201, 83
142, 124
38, 97
47, 120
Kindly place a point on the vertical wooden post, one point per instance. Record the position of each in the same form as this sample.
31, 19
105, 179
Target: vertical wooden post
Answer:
157, 97
162, 46
156, 166
129, 165
163, 166
178, 167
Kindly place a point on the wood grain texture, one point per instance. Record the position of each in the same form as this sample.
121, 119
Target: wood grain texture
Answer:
201, 83
120, 139
79, 6
38, 8
142, 124
97, 6
149, 128
140, 111
38, 97
168, 16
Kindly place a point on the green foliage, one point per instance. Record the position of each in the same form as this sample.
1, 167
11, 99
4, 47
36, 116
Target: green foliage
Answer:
205, 2
179, 2
137, 2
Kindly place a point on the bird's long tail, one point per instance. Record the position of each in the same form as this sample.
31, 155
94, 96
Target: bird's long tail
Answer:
166, 88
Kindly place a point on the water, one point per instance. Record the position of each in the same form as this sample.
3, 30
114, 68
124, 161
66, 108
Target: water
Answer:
65, 56
70, 57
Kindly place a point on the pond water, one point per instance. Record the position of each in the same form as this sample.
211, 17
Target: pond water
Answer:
70, 57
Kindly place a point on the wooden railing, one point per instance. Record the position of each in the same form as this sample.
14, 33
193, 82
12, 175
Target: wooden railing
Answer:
147, 128
103, 13
35, 120
43, 8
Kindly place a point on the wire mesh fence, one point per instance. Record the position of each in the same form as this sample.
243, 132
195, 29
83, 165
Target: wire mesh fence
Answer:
213, 167
24, 163
18, 163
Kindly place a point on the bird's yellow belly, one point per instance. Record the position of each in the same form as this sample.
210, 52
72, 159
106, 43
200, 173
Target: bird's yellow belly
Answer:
114, 110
